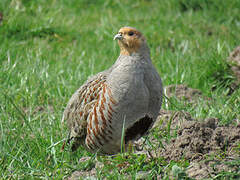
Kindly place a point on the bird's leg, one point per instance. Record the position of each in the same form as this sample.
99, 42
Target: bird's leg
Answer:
130, 146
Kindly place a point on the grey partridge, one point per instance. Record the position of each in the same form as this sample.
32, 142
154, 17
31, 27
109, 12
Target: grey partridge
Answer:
123, 100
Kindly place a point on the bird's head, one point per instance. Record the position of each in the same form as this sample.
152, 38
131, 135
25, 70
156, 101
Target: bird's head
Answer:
130, 41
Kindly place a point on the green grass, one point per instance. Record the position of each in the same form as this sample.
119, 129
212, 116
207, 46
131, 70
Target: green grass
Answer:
49, 48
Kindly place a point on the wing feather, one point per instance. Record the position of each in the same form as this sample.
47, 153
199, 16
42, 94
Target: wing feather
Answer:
99, 126
80, 106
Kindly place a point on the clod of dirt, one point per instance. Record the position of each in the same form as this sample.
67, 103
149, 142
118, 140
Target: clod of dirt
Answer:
182, 92
200, 141
84, 175
88, 173
197, 139
211, 168
173, 118
167, 120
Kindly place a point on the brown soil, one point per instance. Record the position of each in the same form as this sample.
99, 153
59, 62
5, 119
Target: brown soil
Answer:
210, 148
198, 139
211, 168
182, 92
87, 173
83, 174
176, 118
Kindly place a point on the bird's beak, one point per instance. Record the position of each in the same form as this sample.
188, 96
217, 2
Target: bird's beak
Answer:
118, 36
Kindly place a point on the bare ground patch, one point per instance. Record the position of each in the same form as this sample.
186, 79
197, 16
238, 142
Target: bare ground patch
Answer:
210, 148
184, 93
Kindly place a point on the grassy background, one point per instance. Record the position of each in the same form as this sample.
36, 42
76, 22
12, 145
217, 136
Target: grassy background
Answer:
48, 48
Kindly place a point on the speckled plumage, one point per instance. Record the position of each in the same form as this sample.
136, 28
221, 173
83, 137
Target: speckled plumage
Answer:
129, 95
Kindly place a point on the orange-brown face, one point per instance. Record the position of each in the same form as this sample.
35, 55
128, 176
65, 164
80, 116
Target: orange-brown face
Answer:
129, 40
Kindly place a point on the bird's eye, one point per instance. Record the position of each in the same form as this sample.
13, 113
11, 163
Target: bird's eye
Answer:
131, 33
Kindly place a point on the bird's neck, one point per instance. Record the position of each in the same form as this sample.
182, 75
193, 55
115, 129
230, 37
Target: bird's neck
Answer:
142, 51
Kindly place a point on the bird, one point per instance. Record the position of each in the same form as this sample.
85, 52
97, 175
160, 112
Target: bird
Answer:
117, 106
